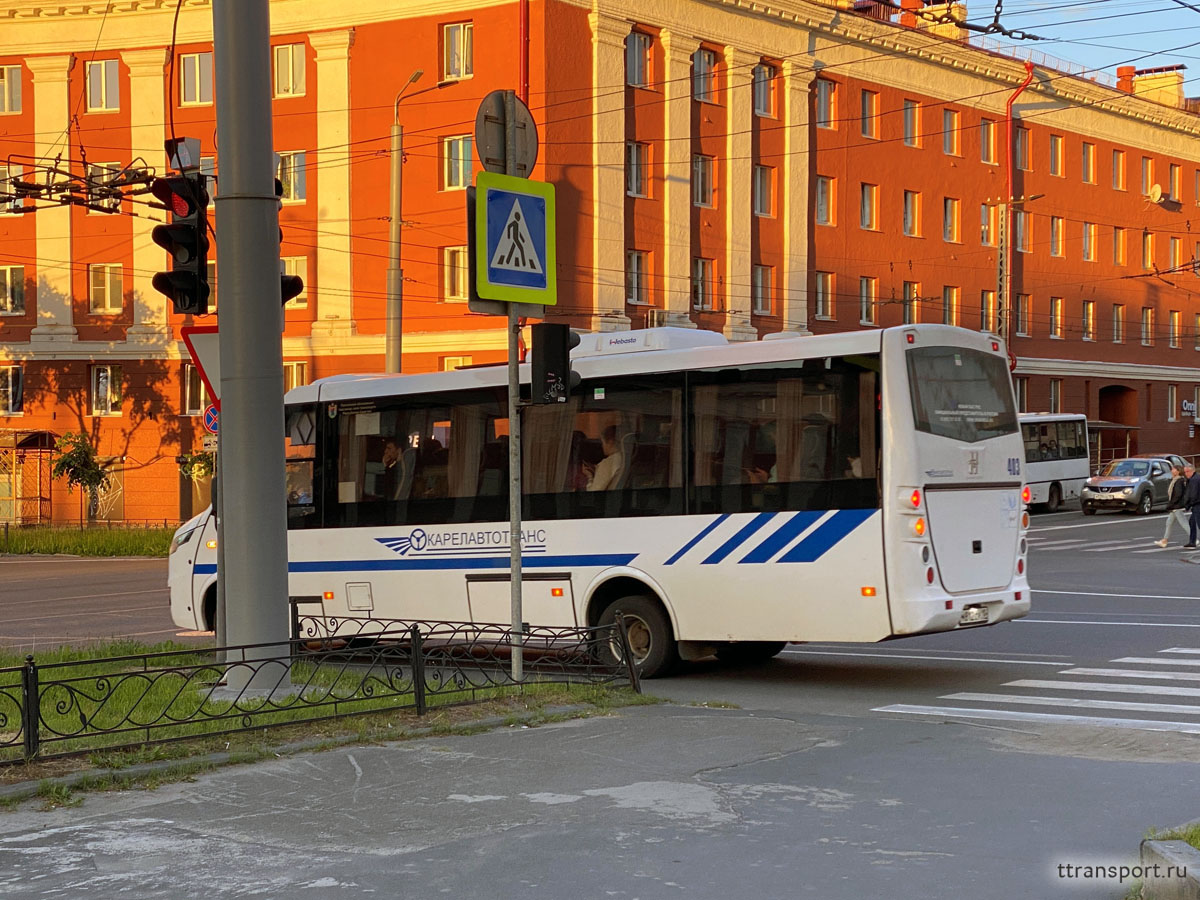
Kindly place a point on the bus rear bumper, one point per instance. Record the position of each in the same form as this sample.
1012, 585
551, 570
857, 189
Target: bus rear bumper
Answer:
962, 611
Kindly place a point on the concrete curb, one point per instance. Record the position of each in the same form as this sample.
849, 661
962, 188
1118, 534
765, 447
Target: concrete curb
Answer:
27, 789
1178, 858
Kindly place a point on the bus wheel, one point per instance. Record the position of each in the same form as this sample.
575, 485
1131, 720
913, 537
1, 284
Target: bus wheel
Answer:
208, 621
749, 652
650, 637
1054, 500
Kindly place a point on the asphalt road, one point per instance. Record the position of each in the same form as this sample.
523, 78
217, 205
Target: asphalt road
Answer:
962, 765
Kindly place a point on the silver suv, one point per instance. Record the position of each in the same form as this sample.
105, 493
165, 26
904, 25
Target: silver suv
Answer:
1139, 483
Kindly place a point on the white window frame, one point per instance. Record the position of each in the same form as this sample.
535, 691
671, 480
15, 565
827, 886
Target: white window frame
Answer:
912, 214
1172, 403
764, 90
1022, 152
1057, 169
112, 276
1174, 328
1120, 246
868, 299
825, 105
110, 203
868, 112
951, 135
450, 363
704, 75
1056, 318
289, 70
1088, 163
108, 407
1118, 321
1021, 385
1147, 326
824, 307
1118, 160
702, 283
762, 290
16, 205
458, 51
987, 141
1089, 320
764, 191
455, 274
823, 200
637, 179
1148, 251
950, 220
1147, 174
10, 90
637, 278
198, 69
293, 173
12, 302
296, 265
637, 59
105, 83
195, 392
987, 311
950, 295
703, 181
868, 206
1022, 304
1174, 175
987, 224
1175, 253
458, 162
1056, 395
1022, 231
12, 391
1057, 224
1089, 242
912, 122
295, 374
911, 301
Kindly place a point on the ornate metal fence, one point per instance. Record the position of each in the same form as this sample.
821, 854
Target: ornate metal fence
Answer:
330, 668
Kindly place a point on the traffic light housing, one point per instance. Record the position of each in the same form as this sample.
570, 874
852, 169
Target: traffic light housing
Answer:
290, 286
186, 239
552, 378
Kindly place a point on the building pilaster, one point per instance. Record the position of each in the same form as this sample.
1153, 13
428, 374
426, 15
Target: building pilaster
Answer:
797, 81
739, 202
675, 261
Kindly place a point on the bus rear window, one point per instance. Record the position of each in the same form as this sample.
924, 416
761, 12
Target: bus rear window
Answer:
962, 394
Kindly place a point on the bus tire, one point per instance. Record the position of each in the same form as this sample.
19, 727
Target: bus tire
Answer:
1054, 499
749, 652
208, 610
650, 635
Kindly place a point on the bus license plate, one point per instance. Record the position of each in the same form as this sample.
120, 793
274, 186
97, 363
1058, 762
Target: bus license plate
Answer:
973, 615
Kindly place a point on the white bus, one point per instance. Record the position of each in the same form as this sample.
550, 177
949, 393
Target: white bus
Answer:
1056, 457
726, 497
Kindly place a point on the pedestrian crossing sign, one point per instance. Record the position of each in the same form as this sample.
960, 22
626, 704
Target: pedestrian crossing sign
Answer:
514, 240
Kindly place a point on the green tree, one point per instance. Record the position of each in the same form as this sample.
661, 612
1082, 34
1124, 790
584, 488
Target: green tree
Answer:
75, 460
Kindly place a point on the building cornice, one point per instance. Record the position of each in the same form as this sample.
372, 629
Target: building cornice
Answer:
1115, 371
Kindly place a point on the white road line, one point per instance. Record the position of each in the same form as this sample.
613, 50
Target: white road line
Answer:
1121, 596
1079, 702
1086, 622
161, 590
1106, 687
1155, 661
1005, 715
1155, 550
1134, 673
1121, 521
1180, 650
1042, 545
88, 613
1112, 545
1014, 662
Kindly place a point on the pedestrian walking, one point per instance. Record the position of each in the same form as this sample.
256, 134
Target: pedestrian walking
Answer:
1175, 511
1191, 502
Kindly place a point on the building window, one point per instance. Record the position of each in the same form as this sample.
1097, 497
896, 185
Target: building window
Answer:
1174, 323
1089, 320
1022, 316
950, 136
987, 141
868, 293
11, 391
10, 89
1021, 384
450, 363
1147, 250
458, 51
1021, 147
211, 268
454, 274
101, 197
457, 162
1022, 239
868, 206
103, 91
195, 78
824, 295
762, 290
912, 300
764, 194
637, 169
823, 197
950, 220
949, 305
1089, 242
912, 123
702, 283
1056, 155
764, 90
292, 174
1118, 170
195, 394
704, 69
1056, 236
987, 311
12, 290
1118, 321
869, 115
1055, 395
1056, 319
987, 224
912, 213
1118, 246
106, 391
1089, 163
1196, 343
298, 266
1172, 402
289, 70
637, 59
104, 288
637, 278
825, 103
14, 204
702, 180
295, 374
1147, 174
1147, 326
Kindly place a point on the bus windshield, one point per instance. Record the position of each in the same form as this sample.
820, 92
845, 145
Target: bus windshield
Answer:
960, 393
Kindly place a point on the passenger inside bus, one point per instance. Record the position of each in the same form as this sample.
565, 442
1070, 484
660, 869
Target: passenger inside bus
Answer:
606, 474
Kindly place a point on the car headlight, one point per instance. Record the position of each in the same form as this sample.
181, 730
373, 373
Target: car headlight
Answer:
1127, 490
182, 537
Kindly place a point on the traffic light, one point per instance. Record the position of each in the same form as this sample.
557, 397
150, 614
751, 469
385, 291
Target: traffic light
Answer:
290, 286
185, 238
552, 376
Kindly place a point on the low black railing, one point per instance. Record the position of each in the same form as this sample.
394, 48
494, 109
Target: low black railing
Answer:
329, 669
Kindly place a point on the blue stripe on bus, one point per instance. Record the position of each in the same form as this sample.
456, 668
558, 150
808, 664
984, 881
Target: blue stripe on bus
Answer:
781, 537
476, 562
738, 539
836, 527
204, 569
698, 538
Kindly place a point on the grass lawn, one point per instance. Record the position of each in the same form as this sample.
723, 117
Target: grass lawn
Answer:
92, 541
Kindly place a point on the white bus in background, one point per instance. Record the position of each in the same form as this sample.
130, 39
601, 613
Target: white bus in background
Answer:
1056, 457
726, 497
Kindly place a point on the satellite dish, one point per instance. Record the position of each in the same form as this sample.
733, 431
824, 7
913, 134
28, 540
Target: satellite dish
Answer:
1155, 194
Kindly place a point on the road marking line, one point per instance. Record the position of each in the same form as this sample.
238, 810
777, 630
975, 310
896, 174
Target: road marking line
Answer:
1107, 687
1015, 662
161, 590
1005, 715
1155, 550
1155, 661
1079, 702
1086, 622
1121, 521
90, 613
1105, 547
1135, 673
1180, 650
1121, 596
1043, 545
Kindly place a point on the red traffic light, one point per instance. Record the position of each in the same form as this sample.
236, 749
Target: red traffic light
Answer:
180, 194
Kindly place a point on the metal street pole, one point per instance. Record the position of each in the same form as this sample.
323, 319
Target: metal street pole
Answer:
514, 423
252, 430
395, 274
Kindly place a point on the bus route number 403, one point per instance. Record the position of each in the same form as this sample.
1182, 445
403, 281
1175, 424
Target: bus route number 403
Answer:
1014, 465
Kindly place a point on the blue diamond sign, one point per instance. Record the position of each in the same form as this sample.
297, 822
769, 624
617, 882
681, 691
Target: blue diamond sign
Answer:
514, 240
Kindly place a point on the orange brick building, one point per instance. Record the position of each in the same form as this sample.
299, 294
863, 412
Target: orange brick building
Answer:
807, 166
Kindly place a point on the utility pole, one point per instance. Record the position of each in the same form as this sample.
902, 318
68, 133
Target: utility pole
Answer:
394, 337
253, 516
514, 425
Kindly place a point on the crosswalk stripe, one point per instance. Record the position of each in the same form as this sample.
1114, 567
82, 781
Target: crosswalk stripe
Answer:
1106, 687
1155, 550
1181, 650
1155, 661
1078, 702
1005, 715
1135, 673
1124, 545
1043, 544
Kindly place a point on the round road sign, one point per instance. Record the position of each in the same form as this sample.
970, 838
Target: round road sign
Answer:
210, 419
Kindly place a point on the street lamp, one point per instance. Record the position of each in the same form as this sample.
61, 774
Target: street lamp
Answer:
1004, 260
395, 274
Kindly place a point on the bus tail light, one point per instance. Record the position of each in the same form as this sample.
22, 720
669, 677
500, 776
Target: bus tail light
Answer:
995, 345
1017, 596
1020, 567
328, 595
1025, 519
556, 592
919, 527
910, 337
868, 591
916, 498
929, 575
1025, 494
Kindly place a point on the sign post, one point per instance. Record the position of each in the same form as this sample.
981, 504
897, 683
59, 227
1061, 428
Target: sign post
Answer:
514, 263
